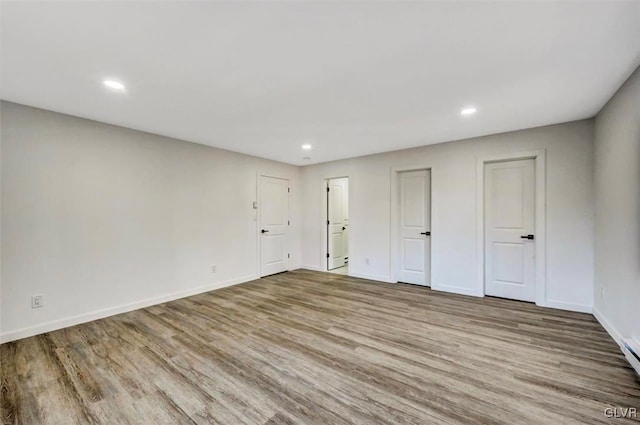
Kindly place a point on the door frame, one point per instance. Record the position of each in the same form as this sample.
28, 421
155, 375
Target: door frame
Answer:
395, 219
324, 207
539, 157
258, 218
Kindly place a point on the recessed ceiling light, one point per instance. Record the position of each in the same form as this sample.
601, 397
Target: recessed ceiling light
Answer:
306, 146
112, 84
468, 111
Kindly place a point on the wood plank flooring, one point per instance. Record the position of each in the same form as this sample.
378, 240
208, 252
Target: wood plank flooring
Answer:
318, 348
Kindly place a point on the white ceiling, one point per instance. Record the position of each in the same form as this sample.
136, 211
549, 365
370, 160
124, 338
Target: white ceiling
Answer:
351, 78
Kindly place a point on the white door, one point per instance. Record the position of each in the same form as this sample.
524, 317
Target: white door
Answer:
336, 223
274, 225
415, 228
510, 229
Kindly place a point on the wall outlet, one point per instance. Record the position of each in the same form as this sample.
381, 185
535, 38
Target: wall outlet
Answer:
213, 269
37, 301
366, 261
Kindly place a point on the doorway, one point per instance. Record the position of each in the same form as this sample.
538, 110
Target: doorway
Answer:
273, 229
510, 229
338, 225
414, 227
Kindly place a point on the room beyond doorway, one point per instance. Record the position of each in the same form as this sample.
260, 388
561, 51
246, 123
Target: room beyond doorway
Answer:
337, 219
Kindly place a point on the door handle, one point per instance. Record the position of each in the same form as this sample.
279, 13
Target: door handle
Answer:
426, 233
530, 237
265, 231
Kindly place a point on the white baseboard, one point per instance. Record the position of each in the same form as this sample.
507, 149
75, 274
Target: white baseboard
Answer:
100, 314
379, 278
611, 330
473, 292
581, 308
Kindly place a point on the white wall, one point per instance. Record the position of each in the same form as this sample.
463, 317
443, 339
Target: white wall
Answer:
102, 219
569, 212
617, 212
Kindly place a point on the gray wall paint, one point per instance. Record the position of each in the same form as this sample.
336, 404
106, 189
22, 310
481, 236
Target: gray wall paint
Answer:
617, 210
97, 217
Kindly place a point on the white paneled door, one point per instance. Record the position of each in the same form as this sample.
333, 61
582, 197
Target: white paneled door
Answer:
337, 222
510, 229
415, 227
274, 225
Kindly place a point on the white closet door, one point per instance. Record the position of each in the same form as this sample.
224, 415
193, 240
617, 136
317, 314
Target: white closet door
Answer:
415, 227
510, 229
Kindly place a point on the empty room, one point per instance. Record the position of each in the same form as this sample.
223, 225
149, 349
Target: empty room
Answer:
319, 212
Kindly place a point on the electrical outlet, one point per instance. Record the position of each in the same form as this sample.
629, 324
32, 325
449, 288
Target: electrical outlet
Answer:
37, 301
213, 269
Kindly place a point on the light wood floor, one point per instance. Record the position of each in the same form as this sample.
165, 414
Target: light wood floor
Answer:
319, 348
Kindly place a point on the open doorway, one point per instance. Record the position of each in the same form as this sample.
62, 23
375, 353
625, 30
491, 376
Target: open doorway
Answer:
338, 225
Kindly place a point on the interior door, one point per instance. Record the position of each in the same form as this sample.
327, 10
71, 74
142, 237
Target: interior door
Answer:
274, 222
510, 229
337, 223
415, 227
